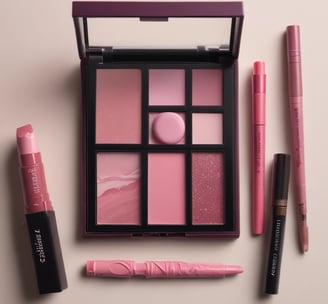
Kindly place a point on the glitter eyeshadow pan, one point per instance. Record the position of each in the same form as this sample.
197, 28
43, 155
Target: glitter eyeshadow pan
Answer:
207, 188
160, 127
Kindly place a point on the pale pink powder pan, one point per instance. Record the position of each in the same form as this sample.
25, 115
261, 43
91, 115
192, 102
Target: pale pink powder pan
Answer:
166, 87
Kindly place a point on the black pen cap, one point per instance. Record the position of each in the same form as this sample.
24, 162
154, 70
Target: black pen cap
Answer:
281, 176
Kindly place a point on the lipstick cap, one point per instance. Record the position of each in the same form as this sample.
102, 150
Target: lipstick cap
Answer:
281, 176
293, 39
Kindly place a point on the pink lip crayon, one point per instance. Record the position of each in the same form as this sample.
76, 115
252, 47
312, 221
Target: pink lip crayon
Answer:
40, 215
296, 119
159, 269
258, 146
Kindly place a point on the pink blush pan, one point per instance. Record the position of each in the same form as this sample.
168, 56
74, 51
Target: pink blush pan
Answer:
166, 188
113, 100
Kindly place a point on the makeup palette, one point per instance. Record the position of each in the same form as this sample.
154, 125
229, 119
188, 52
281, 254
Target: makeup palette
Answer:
160, 92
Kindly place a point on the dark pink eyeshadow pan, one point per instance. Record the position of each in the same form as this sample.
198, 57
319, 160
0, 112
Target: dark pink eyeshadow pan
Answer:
207, 87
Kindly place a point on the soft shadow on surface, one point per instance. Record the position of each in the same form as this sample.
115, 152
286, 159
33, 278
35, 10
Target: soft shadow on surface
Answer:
265, 244
76, 91
248, 113
74, 87
70, 87
20, 240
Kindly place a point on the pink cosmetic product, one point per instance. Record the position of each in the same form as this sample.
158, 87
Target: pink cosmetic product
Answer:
160, 117
166, 188
296, 120
159, 269
168, 128
258, 146
40, 215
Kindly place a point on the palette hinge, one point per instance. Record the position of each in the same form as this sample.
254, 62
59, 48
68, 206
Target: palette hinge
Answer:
214, 53
203, 50
223, 48
106, 54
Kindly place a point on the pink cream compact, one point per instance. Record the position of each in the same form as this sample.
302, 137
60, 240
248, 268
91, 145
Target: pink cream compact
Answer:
160, 104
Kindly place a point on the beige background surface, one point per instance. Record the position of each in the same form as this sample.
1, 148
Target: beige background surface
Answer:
40, 84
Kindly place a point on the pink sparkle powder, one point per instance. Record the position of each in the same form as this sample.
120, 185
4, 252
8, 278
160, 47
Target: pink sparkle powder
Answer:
207, 188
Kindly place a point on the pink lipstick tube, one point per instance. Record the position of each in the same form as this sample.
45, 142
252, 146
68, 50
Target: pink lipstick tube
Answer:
40, 216
258, 146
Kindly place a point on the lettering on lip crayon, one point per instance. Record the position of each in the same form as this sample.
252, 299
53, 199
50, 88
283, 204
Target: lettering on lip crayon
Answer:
38, 246
35, 180
297, 139
258, 151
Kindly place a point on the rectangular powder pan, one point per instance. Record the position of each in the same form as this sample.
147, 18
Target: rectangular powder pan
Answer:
112, 100
166, 188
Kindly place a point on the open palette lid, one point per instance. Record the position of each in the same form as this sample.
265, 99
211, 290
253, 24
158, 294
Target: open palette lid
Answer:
213, 27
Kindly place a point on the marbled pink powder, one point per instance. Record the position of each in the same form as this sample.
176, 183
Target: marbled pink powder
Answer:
118, 188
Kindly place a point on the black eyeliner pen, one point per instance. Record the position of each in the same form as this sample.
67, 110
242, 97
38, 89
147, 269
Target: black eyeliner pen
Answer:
280, 182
